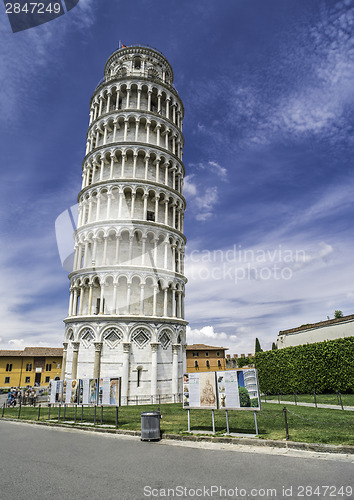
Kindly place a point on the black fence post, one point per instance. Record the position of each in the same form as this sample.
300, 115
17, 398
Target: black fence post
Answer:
39, 411
59, 412
340, 400
94, 415
265, 397
49, 411
82, 413
314, 396
64, 412
295, 397
101, 414
19, 410
75, 413
3, 409
117, 417
286, 422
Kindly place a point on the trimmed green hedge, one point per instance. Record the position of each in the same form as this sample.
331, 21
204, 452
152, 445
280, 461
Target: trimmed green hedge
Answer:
322, 367
241, 362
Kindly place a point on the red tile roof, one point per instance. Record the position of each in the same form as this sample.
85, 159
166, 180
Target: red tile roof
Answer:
203, 347
34, 351
320, 324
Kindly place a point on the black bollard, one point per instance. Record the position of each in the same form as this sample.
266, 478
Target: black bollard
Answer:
314, 397
286, 423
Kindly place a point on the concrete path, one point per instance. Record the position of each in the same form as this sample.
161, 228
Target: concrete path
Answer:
312, 405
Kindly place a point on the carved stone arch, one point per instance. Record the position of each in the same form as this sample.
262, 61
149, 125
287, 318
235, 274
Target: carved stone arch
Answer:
121, 71
141, 335
123, 276
106, 277
95, 280
165, 336
179, 285
138, 232
116, 86
123, 230
111, 335
137, 275
87, 336
69, 335
151, 279
85, 280
100, 233
77, 282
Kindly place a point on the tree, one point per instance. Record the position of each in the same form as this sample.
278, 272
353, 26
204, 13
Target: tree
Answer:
338, 314
274, 346
258, 346
245, 400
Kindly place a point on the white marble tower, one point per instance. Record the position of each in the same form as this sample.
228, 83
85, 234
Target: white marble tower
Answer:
126, 311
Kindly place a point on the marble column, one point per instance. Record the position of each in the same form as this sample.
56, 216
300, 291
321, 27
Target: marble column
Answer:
63, 366
97, 363
76, 346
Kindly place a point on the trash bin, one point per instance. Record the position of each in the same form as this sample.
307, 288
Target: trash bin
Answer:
150, 426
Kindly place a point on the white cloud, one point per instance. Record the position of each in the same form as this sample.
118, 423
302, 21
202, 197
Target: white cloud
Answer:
17, 343
189, 188
204, 334
201, 200
220, 171
205, 203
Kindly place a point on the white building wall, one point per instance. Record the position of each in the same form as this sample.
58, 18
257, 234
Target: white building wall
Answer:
319, 334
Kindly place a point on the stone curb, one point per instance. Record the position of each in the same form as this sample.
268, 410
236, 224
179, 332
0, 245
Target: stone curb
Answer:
272, 443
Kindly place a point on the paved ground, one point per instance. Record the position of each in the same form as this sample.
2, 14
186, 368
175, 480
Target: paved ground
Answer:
42, 462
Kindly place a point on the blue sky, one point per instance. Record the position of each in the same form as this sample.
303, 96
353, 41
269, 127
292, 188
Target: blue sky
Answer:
269, 104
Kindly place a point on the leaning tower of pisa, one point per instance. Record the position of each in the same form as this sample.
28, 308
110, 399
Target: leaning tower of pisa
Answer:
126, 310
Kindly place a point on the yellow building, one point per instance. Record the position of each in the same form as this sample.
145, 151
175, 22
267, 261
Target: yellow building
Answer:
32, 366
205, 358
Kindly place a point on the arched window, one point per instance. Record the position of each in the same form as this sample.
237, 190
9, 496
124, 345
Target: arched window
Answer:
138, 376
137, 63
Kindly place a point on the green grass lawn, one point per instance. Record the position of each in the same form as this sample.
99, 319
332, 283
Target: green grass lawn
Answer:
310, 425
331, 399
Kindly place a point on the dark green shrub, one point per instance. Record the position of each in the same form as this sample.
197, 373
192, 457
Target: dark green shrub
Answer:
245, 401
241, 362
322, 367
